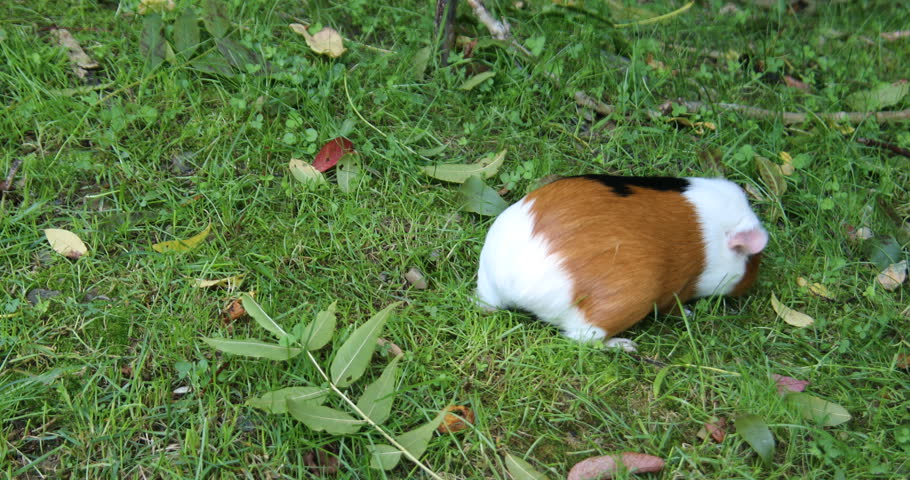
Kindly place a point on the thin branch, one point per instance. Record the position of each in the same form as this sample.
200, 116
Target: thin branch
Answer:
871, 142
7, 184
500, 30
787, 118
373, 424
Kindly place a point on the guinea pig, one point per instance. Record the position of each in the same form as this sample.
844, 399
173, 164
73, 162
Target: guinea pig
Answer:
595, 254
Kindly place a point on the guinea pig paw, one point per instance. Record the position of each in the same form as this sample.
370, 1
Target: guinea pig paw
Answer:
624, 344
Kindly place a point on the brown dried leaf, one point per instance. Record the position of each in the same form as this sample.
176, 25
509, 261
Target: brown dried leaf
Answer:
892, 277
797, 84
716, 429
457, 422
322, 462
607, 466
903, 361
80, 61
393, 349
416, 279
788, 384
234, 310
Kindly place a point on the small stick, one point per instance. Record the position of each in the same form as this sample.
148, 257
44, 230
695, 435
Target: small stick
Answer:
871, 142
7, 184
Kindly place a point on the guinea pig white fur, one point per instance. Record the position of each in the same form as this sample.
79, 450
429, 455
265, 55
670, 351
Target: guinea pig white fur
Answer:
595, 254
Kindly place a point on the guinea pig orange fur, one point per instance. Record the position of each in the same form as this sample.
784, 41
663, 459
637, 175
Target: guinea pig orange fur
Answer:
596, 254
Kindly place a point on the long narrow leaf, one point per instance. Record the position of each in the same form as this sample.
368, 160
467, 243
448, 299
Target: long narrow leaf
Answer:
151, 40
262, 318
321, 418
318, 333
376, 401
276, 402
522, 470
253, 348
415, 442
354, 355
756, 433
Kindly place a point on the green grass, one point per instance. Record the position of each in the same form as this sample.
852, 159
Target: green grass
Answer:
87, 377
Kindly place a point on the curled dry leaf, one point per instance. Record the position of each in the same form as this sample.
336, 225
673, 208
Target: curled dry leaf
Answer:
788, 384
792, 317
893, 276
607, 466
231, 283
787, 167
156, 6
234, 310
455, 421
65, 243
183, 245
797, 84
81, 62
816, 288
902, 361
331, 153
858, 234
716, 429
326, 42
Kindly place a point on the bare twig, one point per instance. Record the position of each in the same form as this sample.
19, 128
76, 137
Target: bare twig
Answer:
871, 142
499, 29
892, 36
445, 26
7, 184
787, 118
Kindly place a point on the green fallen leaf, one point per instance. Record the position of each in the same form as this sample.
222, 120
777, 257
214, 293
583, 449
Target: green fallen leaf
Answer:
151, 41
477, 80
420, 62
276, 402
354, 355
214, 16
239, 55
772, 175
756, 433
885, 252
457, 173
213, 62
822, 412
320, 418
881, 96
262, 318
415, 442
318, 333
522, 470
349, 172
253, 348
186, 33
477, 197
376, 401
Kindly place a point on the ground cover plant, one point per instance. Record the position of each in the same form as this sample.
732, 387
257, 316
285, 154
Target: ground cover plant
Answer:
195, 151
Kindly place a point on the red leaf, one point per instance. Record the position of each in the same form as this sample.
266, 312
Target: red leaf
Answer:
788, 384
717, 430
331, 152
606, 466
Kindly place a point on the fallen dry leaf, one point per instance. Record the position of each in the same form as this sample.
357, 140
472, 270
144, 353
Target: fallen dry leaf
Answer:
892, 277
858, 234
393, 349
788, 384
234, 310
455, 421
326, 42
787, 167
716, 429
65, 243
183, 245
816, 288
230, 283
155, 6
902, 361
304, 172
331, 153
792, 317
416, 279
607, 466
323, 462
80, 60
794, 83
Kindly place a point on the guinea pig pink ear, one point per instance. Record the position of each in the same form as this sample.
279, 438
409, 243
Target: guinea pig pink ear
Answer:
749, 242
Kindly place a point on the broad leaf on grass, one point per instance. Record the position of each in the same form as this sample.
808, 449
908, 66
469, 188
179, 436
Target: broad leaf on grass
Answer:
253, 348
476, 80
320, 418
892, 277
214, 16
326, 41
822, 412
772, 175
354, 355
238, 55
477, 197
183, 245
376, 400
151, 40
65, 243
457, 173
186, 33
792, 317
881, 96
304, 172
213, 62
349, 173
415, 442
756, 433
610, 466
262, 318
331, 153
420, 62
522, 470
317, 333
276, 402
885, 252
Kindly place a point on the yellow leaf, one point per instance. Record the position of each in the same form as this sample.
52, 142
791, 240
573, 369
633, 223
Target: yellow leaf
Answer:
230, 283
893, 276
182, 245
787, 168
792, 317
326, 42
155, 6
816, 289
304, 172
65, 243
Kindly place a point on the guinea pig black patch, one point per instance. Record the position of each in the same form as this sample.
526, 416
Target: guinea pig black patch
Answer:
621, 185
